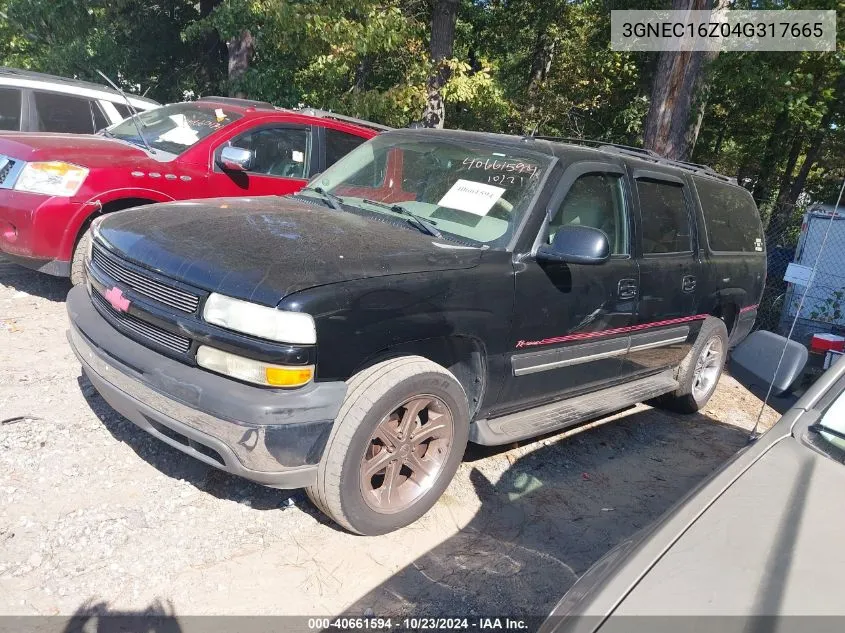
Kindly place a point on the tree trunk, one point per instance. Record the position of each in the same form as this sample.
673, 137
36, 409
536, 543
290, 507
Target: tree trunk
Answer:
240, 53
362, 71
541, 62
443, 19
667, 123
701, 92
213, 52
791, 160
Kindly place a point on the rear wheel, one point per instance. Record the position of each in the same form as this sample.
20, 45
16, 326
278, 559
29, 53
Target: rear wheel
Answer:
700, 371
77, 262
395, 446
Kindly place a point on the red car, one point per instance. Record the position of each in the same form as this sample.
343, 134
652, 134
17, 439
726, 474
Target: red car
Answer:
53, 185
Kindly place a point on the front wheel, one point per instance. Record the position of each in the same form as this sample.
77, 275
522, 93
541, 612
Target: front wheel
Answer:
395, 446
77, 262
700, 371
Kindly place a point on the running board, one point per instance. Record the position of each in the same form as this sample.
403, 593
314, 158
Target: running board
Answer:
559, 415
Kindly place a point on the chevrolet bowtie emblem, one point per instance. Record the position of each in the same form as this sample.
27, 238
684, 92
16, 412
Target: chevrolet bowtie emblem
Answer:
115, 297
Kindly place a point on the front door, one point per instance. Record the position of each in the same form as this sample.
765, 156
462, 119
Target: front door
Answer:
282, 161
571, 320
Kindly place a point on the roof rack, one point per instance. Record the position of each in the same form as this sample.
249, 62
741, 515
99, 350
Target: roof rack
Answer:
642, 154
340, 117
241, 103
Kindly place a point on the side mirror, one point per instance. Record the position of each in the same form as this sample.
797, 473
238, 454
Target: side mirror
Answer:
236, 158
575, 244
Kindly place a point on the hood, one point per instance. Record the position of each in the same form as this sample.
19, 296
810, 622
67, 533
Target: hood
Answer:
262, 249
769, 546
87, 150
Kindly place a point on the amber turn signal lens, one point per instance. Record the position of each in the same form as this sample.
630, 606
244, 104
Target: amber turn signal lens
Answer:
289, 376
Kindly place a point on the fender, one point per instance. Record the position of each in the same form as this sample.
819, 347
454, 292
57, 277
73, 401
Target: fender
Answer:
94, 205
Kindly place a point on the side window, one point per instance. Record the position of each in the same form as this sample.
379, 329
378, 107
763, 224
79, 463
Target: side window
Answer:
63, 113
731, 217
100, 120
339, 144
665, 219
10, 109
596, 200
123, 110
279, 151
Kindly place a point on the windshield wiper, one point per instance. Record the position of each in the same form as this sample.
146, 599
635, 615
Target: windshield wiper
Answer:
331, 199
134, 113
423, 224
818, 427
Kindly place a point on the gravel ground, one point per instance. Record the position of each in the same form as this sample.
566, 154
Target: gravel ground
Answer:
96, 515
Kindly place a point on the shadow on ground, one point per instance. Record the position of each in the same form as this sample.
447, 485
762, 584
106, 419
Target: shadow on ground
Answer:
99, 617
32, 282
553, 513
177, 465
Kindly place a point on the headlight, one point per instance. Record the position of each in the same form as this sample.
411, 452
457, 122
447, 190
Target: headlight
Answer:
253, 371
53, 178
260, 321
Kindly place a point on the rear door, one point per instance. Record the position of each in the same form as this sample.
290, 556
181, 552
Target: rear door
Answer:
571, 320
670, 270
284, 159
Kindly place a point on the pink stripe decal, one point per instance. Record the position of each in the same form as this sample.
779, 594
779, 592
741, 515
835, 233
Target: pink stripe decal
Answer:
749, 308
620, 330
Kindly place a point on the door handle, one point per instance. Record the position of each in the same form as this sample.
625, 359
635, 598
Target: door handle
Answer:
627, 288
688, 283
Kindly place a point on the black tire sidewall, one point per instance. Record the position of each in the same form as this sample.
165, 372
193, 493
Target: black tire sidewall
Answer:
360, 516
78, 274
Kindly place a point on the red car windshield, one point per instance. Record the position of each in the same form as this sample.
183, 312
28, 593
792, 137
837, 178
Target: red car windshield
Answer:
174, 128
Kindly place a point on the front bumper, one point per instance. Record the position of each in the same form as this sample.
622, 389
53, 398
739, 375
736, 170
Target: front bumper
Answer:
273, 437
32, 229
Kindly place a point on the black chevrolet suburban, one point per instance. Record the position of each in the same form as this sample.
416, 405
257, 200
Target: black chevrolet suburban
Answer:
429, 289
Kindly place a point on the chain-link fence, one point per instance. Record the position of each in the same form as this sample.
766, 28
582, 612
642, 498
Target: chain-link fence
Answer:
809, 237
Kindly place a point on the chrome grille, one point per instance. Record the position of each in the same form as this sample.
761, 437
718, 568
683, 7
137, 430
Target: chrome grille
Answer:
7, 169
149, 331
179, 299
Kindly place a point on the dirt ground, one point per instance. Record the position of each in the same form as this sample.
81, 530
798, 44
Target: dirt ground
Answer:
96, 514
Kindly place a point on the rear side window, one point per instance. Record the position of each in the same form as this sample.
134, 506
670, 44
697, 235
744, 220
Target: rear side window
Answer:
10, 109
665, 219
339, 144
64, 113
100, 120
731, 217
123, 110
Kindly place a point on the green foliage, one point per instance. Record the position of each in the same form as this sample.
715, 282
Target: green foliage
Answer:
517, 66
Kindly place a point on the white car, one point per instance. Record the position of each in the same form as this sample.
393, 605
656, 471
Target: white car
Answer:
35, 102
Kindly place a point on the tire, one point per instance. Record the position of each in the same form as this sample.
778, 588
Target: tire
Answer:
691, 395
78, 275
374, 395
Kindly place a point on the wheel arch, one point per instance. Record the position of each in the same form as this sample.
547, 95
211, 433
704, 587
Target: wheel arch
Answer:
106, 203
726, 305
464, 356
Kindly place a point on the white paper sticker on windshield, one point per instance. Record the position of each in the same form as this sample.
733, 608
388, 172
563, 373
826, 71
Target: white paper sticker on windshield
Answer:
472, 197
298, 157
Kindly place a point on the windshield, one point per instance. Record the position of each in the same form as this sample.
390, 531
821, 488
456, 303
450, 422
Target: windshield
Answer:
467, 190
174, 128
828, 433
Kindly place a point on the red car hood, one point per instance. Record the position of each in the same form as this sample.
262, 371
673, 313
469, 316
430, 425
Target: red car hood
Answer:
86, 150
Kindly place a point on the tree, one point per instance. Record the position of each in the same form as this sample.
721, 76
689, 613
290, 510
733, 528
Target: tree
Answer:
444, 15
666, 129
